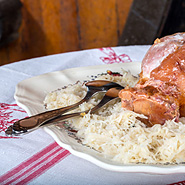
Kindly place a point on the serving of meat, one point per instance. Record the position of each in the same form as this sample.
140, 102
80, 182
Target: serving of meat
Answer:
160, 92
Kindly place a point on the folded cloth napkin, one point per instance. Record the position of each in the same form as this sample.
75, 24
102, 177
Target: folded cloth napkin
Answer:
36, 158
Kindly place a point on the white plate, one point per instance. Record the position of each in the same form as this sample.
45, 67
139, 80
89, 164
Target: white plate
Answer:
30, 94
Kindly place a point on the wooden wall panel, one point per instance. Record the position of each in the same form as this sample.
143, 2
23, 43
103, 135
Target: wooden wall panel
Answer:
69, 25
122, 14
32, 40
56, 26
97, 20
60, 25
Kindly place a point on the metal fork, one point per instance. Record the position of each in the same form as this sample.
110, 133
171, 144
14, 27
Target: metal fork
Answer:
35, 121
110, 95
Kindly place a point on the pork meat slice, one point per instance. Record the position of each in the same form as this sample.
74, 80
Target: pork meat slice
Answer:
157, 107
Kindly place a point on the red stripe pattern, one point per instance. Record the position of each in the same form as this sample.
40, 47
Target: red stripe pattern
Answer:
35, 166
178, 183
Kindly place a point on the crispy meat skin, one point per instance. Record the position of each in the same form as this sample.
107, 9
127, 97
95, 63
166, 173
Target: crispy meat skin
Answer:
159, 51
160, 92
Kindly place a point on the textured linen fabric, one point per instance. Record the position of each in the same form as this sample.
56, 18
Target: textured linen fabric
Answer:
35, 158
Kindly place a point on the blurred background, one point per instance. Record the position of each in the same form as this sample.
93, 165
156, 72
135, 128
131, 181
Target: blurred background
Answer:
34, 28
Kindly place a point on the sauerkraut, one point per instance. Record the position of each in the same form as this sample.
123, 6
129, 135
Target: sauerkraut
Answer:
116, 132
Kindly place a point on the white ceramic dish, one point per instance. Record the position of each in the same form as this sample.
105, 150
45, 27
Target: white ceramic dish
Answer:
30, 94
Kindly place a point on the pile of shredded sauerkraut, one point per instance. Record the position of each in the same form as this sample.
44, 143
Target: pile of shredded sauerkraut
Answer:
117, 133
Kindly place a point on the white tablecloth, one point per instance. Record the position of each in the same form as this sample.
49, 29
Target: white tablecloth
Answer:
36, 158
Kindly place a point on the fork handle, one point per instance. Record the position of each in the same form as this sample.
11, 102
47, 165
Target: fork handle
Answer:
16, 129
36, 120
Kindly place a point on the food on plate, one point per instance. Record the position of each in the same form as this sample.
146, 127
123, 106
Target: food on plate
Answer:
160, 92
118, 133
148, 124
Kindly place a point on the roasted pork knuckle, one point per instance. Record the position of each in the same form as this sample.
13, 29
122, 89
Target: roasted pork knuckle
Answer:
160, 92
